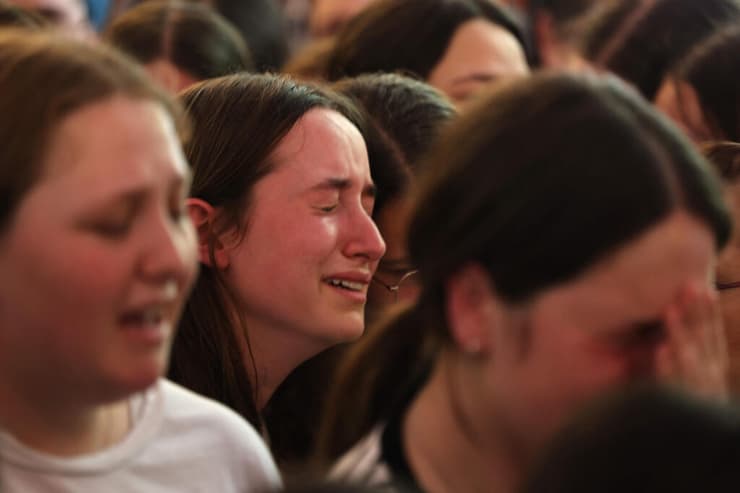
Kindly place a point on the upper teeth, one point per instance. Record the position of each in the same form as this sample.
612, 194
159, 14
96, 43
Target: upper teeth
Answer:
355, 286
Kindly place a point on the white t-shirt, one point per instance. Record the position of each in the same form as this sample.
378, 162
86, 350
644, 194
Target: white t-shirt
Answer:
179, 442
364, 463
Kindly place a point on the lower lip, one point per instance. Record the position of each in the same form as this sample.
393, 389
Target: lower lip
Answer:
358, 296
148, 335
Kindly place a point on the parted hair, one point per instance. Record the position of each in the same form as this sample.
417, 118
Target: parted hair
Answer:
191, 35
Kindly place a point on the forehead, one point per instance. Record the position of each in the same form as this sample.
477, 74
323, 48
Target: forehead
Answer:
639, 280
112, 144
320, 145
480, 47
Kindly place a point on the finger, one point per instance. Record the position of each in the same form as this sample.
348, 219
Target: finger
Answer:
719, 342
694, 314
680, 339
678, 345
702, 357
719, 336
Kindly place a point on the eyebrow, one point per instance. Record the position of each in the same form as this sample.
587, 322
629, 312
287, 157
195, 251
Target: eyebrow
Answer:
476, 77
135, 195
342, 184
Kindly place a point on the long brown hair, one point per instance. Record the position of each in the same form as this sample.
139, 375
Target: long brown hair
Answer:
238, 121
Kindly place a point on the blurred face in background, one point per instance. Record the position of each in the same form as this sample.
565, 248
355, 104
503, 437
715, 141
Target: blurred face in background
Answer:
479, 53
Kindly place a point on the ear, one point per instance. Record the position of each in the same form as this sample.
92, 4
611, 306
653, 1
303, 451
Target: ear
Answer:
473, 310
203, 216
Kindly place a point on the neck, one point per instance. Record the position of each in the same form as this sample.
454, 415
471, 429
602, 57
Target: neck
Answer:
58, 427
455, 457
276, 352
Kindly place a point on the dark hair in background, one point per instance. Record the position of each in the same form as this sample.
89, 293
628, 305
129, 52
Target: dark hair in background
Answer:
262, 25
562, 11
561, 16
642, 40
410, 112
713, 70
309, 62
191, 35
238, 122
647, 440
409, 35
407, 116
606, 168
65, 76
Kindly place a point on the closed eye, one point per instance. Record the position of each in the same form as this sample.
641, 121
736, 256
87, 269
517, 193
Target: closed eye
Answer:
112, 230
116, 223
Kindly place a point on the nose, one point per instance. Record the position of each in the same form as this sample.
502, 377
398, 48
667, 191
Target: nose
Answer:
364, 239
169, 252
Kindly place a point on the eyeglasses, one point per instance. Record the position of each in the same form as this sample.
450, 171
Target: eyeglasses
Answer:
395, 289
724, 286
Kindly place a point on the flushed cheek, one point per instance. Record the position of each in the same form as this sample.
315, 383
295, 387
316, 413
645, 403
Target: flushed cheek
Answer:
314, 247
587, 372
81, 288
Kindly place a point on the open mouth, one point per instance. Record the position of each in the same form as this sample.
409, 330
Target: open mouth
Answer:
355, 286
143, 319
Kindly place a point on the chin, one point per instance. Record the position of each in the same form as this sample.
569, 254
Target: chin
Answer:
137, 378
348, 331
